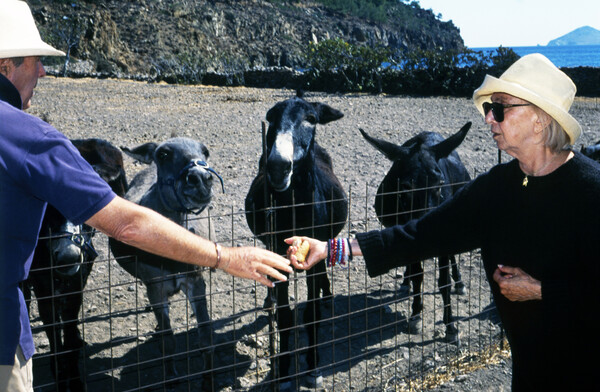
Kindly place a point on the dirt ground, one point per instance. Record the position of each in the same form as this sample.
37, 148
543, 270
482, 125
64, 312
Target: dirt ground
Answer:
364, 341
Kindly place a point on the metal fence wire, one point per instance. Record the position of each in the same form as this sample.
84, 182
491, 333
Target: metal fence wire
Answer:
364, 342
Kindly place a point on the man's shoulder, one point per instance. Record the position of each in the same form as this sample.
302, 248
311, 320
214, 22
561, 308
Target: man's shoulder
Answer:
23, 127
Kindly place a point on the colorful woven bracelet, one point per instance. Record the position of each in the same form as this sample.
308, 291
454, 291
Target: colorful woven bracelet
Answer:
338, 252
331, 252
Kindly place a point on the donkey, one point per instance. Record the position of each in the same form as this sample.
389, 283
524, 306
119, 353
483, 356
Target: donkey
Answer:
178, 182
107, 161
61, 265
296, 189
425, 171
592, 151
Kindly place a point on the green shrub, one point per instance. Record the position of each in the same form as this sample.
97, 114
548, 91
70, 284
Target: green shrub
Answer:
336, 65
356, 67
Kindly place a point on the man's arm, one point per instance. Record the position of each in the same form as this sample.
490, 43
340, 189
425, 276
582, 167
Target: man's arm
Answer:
148, 230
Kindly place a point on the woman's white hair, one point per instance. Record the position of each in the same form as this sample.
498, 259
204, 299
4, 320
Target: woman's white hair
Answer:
555, 137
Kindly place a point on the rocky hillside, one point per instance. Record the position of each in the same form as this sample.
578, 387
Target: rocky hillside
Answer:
585, 35
147, 38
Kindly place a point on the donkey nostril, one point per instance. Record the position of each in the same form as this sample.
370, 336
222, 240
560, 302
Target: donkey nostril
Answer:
192, 179
287, 169
195, 179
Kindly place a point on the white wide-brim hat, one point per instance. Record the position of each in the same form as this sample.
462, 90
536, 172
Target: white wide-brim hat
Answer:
535, 79
19, 36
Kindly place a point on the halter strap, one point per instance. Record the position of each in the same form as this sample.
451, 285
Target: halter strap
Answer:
171, 183
79, 240
205, 166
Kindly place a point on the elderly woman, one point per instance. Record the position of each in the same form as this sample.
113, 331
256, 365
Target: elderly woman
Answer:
536, 220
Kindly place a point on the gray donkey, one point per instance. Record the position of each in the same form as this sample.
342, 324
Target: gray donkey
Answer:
178, 182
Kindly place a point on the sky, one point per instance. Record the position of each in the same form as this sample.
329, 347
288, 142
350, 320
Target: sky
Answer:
512, 23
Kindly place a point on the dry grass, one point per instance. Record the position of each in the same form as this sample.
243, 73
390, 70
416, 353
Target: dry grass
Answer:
464, 364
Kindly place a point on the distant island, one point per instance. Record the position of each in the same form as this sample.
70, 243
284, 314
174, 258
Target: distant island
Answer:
585, 35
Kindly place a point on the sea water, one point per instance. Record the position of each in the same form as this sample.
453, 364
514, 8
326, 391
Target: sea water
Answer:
561, 56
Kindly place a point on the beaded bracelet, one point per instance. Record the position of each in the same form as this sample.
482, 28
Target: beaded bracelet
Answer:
338, 252
331, 252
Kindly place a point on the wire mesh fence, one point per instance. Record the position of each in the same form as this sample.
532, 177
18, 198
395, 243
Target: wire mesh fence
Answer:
366, 340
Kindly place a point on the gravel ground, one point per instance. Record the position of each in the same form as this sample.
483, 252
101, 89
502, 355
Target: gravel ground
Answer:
228, 122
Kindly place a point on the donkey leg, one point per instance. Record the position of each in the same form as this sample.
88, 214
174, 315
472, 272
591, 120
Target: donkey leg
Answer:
51, 320
444, 285
285, 322
73, 343
322, 283
195, 289
405, 285
459, 285
64, 362
70, 314
159, 302
269, 299
415, 274
71, 367
312, 320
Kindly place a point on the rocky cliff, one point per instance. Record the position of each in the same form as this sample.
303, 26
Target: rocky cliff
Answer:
146, 38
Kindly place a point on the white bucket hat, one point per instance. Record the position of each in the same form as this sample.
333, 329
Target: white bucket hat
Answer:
19, 36
535, 79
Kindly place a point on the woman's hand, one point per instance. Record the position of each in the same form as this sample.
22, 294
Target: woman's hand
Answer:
316, 253
516, 285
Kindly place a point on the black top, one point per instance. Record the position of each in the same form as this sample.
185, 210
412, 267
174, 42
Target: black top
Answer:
551, 230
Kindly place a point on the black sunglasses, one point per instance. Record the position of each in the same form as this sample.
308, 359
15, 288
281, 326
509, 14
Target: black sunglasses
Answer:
498, 109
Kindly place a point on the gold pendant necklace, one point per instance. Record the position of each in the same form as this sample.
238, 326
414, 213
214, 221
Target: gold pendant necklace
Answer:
535, 173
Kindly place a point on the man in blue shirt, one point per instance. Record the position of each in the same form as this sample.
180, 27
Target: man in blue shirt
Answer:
38, 165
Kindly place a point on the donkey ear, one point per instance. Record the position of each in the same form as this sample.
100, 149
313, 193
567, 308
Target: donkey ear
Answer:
107, 172
274, 111
204, 150
443, 149
143, 153
326, 113
269, 115
390, 150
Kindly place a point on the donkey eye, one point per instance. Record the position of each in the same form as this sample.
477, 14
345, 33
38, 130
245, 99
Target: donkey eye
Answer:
311, 118
162, 155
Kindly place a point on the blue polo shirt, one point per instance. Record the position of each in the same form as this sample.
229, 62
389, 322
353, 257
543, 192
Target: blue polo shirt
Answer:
38, 165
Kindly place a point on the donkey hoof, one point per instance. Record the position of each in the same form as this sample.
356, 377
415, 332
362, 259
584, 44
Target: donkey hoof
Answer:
268, 304
453, 337
414, 325
404, 290
459, 289
315, 379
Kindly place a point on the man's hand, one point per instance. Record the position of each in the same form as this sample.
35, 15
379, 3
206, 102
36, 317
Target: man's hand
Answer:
254, 263
516, 285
